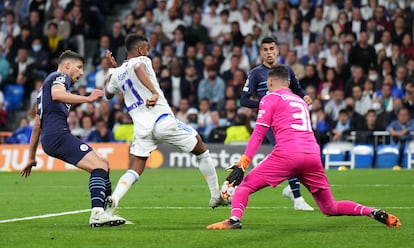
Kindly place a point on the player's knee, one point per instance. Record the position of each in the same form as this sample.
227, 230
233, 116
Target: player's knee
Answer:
329, 210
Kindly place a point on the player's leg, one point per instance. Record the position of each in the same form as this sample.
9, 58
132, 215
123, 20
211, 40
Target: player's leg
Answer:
267, 173
315, 180
292, 190
129, 178
185, 138
206, 168
98, 168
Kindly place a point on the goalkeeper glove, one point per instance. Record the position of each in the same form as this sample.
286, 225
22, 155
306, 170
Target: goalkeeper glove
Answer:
243, 162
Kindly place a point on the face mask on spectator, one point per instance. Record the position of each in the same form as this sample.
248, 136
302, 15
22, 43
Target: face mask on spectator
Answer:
36, 48
373, 77
393, 6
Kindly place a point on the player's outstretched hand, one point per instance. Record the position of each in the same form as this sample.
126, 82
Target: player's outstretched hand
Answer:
95, 95
152, 101
236, 175
25, 172
111, 60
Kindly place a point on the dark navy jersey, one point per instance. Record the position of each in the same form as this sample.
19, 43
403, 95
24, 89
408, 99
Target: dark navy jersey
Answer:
53, 114
256, 85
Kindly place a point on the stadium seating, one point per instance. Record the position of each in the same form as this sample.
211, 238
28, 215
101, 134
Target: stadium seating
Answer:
363, 155
387, 156
13, 97
338, 154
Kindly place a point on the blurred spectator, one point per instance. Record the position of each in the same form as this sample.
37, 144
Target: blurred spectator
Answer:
385, 43
63, 26
4, 67
310, 77
212, 17
53, 44
9, 26
192, 117
298, 69
125, 131
244, 60
77, 30
391, 116
357, 78
129, 26
380, 17
101, 133
341, 127
269, 25
362, 103
160, 11
22, 70
317, 23
212, 88
187, 8
22, 134
362, 53
182, 113
306, 10
38, 6
203, 117
117, 39
219, 29
356, 24
321, 124
230, 110
40, 57
246, 22
33, 95
139, 10
237, 37
282, 34
334, 105
178, 44
155, 45
171, 24
216, 131
356, 120
396, 57
99, 53
399, 30
24, 39
407, 47
385, 97
102, 74
251, 50
9, 49
400, 129
239, 131
147, 22
196, 32
329, 82
371, 124
74, 124
330, 11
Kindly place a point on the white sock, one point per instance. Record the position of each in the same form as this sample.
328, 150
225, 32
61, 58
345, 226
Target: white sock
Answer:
209, 172
124, 184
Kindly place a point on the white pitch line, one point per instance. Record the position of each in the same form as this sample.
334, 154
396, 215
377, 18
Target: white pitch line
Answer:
154, 208
45, 216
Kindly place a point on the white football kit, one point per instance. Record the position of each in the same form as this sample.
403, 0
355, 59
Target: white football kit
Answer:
152, 125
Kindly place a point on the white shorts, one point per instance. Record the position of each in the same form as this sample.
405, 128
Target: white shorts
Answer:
166, 130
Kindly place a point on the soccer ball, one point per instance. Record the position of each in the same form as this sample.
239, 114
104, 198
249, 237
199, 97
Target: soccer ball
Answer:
227, 191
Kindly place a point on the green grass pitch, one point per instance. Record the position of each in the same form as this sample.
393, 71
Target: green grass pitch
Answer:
169, 209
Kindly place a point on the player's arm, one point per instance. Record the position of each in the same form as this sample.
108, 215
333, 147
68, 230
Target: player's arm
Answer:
60, 94
34, 142
140, 71
109, 92
248, 90
297, 88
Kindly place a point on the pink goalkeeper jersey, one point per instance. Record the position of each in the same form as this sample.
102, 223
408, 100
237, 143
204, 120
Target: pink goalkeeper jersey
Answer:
287, 114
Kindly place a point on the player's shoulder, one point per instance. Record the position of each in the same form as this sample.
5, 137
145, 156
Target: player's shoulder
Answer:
257, 69
58, 77
140, 59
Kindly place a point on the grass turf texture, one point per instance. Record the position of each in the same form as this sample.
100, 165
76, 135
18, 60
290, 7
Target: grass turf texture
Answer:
169, 209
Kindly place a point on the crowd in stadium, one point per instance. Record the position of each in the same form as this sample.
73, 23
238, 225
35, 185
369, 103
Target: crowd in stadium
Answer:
354, 58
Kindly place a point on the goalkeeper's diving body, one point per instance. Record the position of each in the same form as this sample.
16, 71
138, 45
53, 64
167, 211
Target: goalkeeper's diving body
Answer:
154, 122
296, 154
256, 86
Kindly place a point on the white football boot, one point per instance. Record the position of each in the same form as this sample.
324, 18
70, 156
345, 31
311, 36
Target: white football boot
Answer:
100, 218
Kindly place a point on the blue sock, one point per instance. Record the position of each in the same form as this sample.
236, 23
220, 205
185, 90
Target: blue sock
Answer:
108, 185
97, 187
295, 186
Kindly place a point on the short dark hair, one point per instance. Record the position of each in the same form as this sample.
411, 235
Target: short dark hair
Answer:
279, 71
268, 40
68, 54
132, 40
